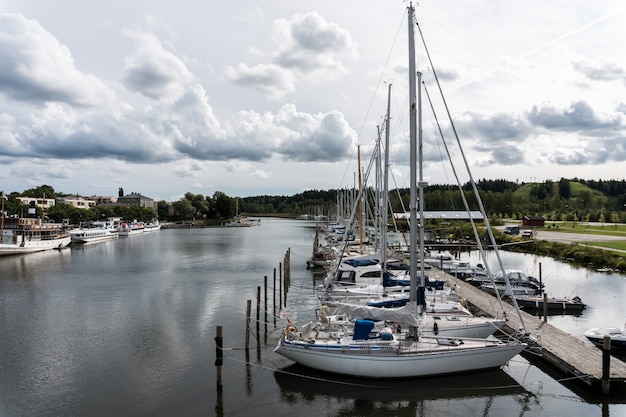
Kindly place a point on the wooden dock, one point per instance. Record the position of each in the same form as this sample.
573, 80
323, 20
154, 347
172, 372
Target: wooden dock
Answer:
576, 357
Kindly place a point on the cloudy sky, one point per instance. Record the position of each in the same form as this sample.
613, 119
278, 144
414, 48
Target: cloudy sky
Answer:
253, 98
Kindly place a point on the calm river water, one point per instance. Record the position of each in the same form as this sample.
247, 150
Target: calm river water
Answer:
127, 328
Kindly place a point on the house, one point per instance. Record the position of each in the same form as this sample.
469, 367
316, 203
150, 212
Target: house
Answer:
77, 201
533, 221
44, 203
135, 199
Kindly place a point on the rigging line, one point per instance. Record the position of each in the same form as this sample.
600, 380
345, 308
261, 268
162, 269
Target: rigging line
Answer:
463, 198
381, 75
471, 181
445, 171
369, 108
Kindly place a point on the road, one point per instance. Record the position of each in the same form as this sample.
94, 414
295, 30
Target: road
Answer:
574, 237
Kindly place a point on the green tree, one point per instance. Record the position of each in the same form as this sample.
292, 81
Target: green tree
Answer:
565, 189
224, 205
41, 191
183, 209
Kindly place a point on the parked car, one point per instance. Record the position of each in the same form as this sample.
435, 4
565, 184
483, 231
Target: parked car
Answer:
527, 234
511, 230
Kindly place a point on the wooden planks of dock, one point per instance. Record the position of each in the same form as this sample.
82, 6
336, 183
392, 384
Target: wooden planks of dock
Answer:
576, 357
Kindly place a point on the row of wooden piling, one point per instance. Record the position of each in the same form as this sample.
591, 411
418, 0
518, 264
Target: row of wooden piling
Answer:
284, 282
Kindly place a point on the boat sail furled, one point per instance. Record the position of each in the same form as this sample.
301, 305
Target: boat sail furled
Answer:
372, 350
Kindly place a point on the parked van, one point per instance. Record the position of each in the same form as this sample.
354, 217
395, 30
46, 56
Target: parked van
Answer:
511, 230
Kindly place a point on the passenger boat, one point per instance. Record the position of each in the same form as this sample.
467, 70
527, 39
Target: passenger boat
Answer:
131, 229
25, 235
96, 231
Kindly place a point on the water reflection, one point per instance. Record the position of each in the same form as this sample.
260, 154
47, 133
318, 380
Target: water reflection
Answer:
299, 385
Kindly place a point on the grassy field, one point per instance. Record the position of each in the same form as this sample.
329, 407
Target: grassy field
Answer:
617, 245
608, 229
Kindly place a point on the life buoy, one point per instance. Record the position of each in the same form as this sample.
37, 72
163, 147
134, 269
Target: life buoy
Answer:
290, 329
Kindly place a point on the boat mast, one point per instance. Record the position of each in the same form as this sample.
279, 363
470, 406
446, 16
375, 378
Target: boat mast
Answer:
421, 184
413, 159
360, 201
384, 201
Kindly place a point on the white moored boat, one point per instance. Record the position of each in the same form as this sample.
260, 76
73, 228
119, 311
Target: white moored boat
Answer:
95, 231
369, 352
25, 235
153, 226
131, 229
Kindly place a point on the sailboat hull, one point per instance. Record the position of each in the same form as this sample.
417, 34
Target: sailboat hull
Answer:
388, 361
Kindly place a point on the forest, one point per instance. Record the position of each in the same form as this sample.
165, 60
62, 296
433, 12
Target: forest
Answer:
571, 199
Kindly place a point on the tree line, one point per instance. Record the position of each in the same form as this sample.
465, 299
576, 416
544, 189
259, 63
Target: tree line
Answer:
564, 200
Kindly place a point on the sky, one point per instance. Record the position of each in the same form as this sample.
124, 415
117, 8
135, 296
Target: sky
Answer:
279, 97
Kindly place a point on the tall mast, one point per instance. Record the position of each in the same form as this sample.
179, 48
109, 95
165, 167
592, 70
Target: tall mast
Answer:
413, 158
384, 201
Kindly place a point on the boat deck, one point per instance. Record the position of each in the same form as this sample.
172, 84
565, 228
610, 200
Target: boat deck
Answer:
577, 357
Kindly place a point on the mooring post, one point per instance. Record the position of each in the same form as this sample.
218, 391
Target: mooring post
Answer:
289, 265
606, 364
219, 355
540, 280
280, 284
248, 311
274, 303
265, 300
258, 310
545, 307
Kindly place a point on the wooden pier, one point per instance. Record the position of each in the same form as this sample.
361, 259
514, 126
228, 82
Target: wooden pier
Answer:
575, 357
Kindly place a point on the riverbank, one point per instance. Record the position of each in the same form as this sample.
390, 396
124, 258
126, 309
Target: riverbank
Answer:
599, 247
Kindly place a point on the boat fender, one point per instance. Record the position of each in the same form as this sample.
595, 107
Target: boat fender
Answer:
464, 303
436, 329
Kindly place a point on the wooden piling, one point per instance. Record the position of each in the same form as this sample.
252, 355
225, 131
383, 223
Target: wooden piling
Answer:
265, 301
248, 311
274, 303
280, 284
219, 355
258, 310
606, 364
545, 307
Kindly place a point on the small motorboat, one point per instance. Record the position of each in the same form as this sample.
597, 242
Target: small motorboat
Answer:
617, 335
536, 302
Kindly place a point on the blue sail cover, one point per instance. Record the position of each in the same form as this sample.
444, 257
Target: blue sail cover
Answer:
360, 262
362, 329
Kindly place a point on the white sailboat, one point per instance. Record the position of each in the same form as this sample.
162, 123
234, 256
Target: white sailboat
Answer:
367, 351
242, 221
